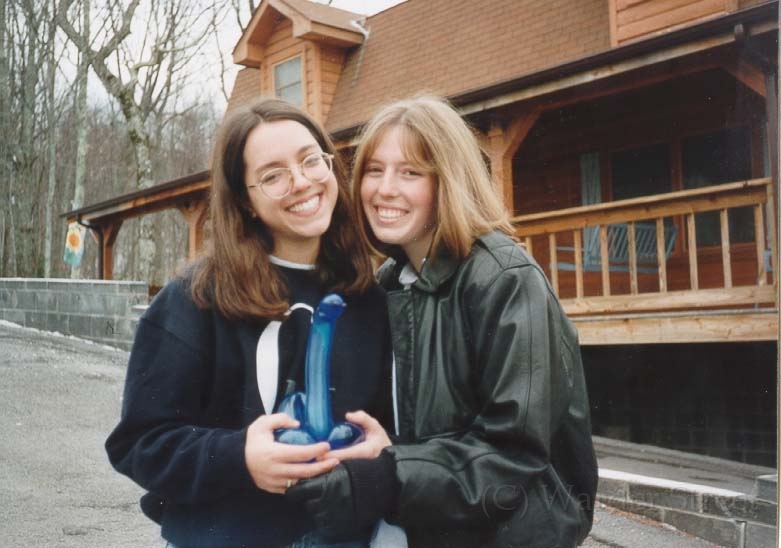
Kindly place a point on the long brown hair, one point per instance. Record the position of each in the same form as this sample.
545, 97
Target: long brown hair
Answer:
437, 140
234, 273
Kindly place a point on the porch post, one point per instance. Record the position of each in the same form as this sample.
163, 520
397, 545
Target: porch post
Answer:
108, 235
97, 234
772, 117
195, 214
501, 146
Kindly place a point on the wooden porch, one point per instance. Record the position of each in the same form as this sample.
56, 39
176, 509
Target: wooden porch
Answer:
695, 293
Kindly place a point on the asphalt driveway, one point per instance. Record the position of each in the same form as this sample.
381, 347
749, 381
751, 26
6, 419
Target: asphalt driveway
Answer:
60, 397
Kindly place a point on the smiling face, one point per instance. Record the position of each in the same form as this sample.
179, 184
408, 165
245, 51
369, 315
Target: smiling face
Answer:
399, 197
297, 221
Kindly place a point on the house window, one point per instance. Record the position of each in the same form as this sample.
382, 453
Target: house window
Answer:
641, 171
288, 83
719, 157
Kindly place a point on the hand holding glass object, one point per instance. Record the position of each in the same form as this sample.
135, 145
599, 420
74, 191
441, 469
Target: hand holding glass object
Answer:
312, 409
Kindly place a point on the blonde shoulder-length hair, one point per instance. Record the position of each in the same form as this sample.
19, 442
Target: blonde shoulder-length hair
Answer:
438, 141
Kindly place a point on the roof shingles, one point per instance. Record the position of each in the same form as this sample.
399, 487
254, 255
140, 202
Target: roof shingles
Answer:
448, 48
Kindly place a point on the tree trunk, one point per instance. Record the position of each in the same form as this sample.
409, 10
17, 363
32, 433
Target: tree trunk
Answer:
81, 124
146, 254
5, 153
25, 195
51, 121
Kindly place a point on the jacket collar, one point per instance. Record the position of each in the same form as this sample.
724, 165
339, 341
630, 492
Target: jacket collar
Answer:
436, 271
439, 269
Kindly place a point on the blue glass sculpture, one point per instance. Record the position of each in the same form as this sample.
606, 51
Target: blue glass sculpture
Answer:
312, 409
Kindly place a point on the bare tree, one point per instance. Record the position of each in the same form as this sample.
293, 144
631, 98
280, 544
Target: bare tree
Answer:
61, 147
25, 31
52, 103
81, 83
147, 79
5, 134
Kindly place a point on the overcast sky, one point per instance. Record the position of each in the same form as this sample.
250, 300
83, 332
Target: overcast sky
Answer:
367, 7
208, 82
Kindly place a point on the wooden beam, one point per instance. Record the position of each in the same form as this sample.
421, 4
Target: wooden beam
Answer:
726, 256
718, 328
248, 54
137, 206
195, 213
691, 233
632, 248
749, 75
774, 189
604, 260
329, 35
773, 233
672, 300
501, 144
613, 14
682, 202
759, 237
661, 255
640, 80
598, 74
578, 239
314, 70
109, 232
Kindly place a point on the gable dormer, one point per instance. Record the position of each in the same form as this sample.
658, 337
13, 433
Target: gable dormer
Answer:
298, 48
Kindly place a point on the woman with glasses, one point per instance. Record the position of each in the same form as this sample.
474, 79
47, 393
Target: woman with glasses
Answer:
494, 445
225, 341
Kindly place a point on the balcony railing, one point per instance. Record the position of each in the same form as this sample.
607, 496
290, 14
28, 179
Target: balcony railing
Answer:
644, 255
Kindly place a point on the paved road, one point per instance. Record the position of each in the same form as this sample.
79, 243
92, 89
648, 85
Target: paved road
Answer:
59, 398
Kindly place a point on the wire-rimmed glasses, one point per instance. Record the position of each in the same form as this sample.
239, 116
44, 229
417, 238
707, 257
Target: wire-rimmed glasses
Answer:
278, 182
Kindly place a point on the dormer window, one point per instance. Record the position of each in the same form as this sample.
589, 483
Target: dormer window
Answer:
288, 81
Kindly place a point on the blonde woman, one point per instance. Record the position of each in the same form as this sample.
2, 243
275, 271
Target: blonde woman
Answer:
494, 445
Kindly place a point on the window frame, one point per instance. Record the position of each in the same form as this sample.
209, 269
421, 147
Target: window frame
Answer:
301, 80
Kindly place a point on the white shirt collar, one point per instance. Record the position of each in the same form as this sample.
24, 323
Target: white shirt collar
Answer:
408, 275
290, 264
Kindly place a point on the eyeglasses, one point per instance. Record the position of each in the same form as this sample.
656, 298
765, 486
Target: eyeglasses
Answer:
278, 182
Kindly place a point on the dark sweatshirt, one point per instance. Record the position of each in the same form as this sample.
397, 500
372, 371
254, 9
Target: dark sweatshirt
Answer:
194, 385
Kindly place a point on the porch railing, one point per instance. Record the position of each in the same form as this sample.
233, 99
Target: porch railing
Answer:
685, 274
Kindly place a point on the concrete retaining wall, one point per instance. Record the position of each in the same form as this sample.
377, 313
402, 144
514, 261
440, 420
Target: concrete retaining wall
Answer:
98, 310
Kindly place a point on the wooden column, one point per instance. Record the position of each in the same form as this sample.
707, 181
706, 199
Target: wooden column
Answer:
106, 235
501, 144
772, 117
195, 214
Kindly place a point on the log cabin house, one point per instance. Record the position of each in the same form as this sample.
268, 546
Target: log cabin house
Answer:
635, 143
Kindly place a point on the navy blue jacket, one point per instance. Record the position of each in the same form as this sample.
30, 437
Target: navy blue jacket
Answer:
192, 390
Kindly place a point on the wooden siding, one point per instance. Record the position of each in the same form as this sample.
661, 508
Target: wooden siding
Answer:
636, 19
321, 67
331, 64
280, 47
311, 80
